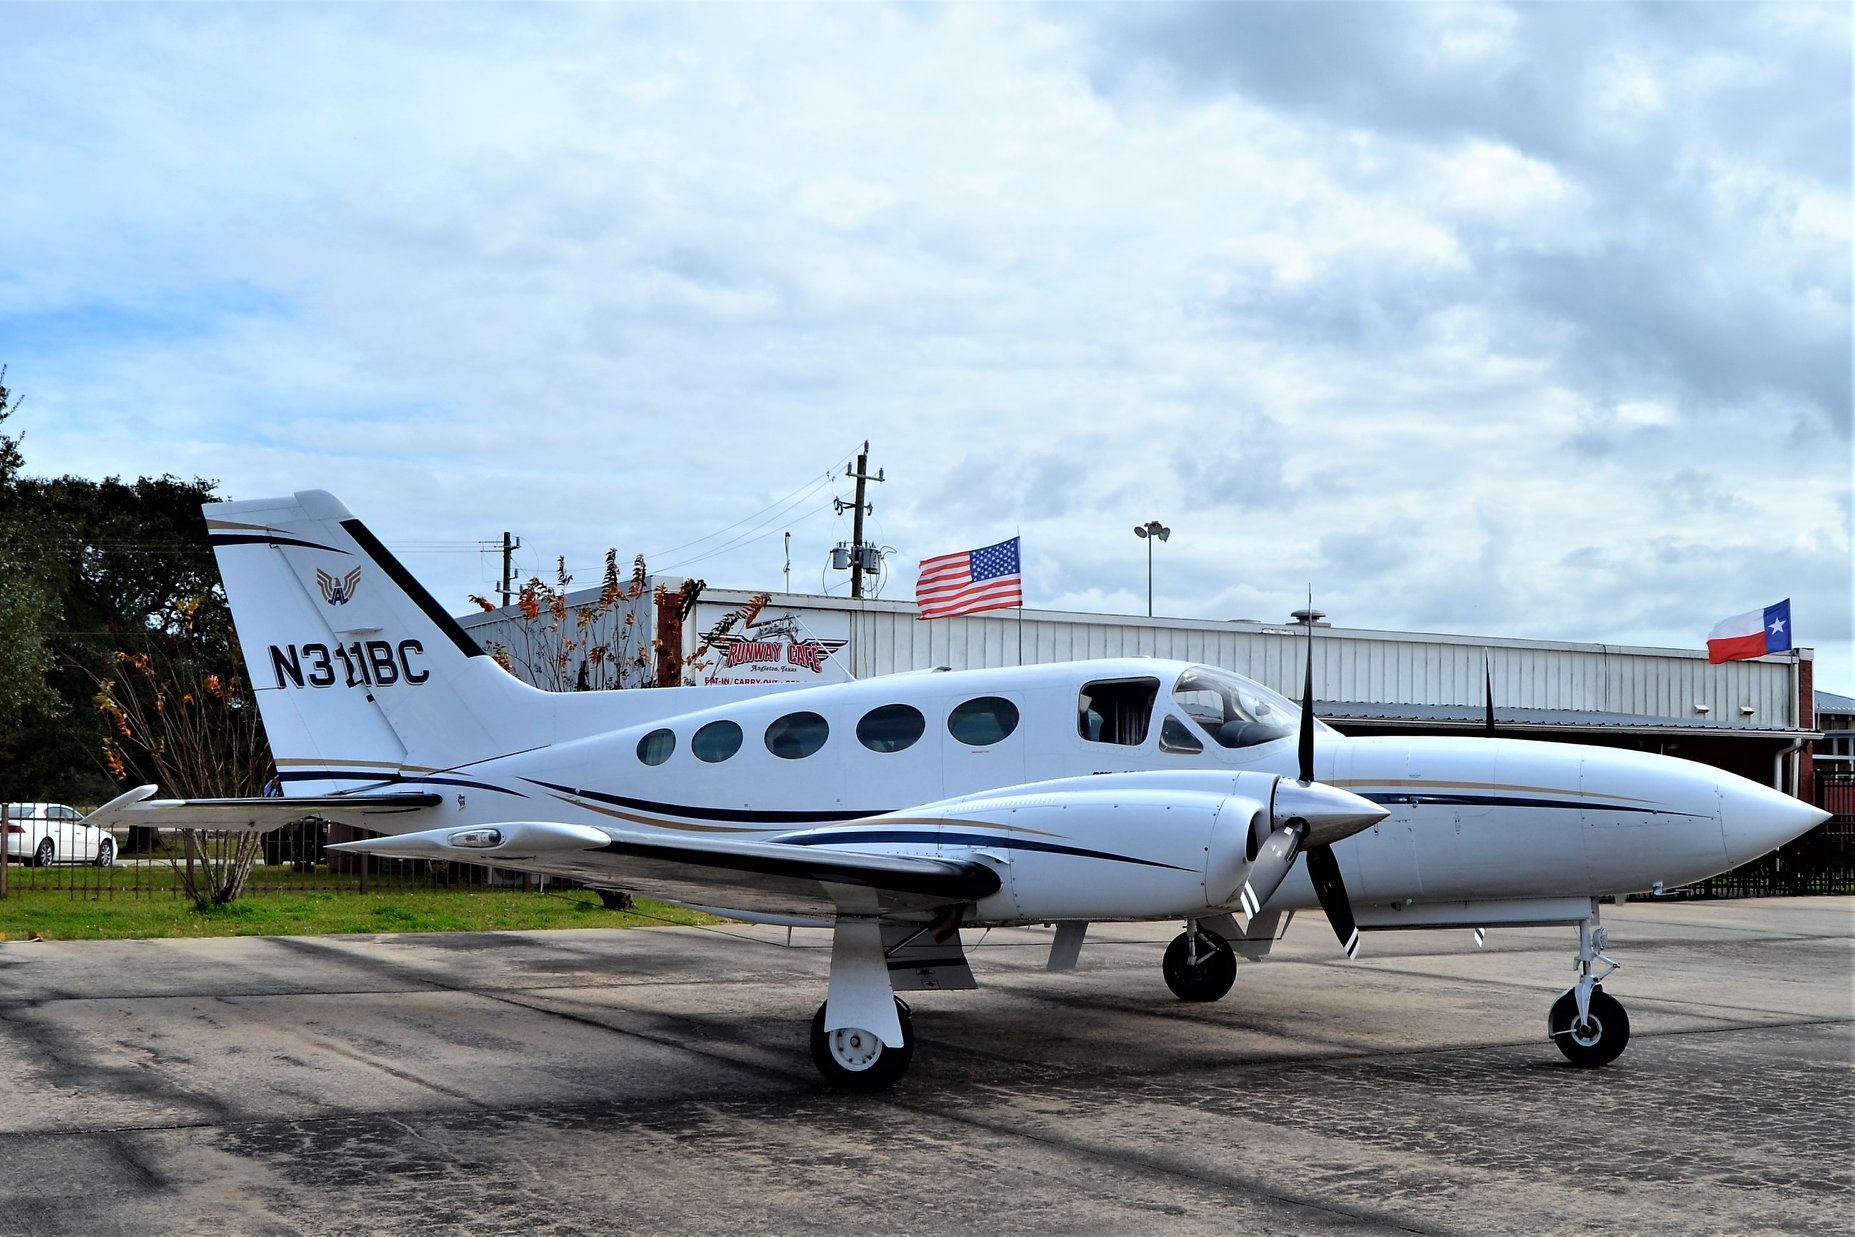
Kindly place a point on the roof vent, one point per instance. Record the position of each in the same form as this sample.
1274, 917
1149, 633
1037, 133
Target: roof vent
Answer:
1703, 709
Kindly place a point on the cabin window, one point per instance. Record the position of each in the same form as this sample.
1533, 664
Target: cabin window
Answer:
1176, 737
716, 742
655, 747
982, 722
1233, 711
892, 728
797, 735
1116, 711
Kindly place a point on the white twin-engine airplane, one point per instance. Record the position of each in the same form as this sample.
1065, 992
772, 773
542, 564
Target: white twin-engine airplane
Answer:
898, 811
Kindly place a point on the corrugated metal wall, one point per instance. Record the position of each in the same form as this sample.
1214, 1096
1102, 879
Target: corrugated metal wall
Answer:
1374, 667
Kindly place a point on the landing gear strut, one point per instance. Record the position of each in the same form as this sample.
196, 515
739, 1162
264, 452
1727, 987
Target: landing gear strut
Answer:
1199, 965
1587, 1023
862, 1037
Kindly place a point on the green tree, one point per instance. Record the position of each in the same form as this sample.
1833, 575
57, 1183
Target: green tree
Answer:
26, 612
97, 569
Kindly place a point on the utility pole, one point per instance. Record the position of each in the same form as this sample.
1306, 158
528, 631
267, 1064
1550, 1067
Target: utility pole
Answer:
788, 561
860, 557
509, 547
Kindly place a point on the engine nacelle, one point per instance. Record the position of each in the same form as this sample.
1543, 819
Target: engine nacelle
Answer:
1135, 845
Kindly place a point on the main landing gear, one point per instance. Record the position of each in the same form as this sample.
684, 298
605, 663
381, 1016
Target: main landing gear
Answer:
1199, 965
1587, 1023
862, 1036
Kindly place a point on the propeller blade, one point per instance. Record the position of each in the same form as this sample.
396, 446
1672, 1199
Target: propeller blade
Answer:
1324, 871
1487, 669
1274, 860
1307, 708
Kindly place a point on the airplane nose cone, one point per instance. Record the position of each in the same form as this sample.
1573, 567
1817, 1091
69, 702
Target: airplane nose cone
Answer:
1756, 819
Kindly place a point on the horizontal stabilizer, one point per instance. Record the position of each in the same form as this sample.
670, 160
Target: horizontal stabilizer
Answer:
140, 809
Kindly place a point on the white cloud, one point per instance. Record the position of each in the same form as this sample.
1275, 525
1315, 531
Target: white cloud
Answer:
1446, 308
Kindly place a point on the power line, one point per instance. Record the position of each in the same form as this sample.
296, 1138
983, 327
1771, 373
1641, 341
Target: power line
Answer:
770, 529
804, 491
759, 528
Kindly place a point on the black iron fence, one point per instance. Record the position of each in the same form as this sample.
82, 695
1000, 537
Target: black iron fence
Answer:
1821, 861
87, 863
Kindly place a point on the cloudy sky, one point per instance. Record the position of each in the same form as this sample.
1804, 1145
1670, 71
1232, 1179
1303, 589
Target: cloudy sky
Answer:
1492, 319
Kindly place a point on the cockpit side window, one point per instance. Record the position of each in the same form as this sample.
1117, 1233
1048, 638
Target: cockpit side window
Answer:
1116, 711
1233, 711
1177, 738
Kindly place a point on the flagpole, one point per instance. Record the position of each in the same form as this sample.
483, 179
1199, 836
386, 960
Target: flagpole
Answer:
1020, 540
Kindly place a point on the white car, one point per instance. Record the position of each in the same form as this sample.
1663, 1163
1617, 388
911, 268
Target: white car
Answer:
45, 833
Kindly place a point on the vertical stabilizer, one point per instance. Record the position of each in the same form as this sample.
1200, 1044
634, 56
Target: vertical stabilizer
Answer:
358, 671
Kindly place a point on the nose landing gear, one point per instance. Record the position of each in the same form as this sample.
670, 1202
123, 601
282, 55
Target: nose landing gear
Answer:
1199, 965
1588, 1024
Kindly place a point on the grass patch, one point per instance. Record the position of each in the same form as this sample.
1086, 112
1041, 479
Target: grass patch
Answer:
61, 915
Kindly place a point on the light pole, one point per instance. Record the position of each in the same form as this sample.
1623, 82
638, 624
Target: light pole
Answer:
1148, 532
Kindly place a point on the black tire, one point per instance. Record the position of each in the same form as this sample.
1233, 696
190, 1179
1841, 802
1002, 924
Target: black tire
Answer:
43, 856
885, 1067
1596, 1044
106, 853
1210, 977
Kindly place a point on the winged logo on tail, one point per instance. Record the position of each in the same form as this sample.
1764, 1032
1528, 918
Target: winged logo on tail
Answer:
338, 592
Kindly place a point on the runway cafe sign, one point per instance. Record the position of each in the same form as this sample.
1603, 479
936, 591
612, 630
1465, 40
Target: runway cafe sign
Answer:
774, 648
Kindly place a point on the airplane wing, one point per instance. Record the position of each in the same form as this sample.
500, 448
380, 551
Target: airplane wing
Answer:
766, 877
138, 808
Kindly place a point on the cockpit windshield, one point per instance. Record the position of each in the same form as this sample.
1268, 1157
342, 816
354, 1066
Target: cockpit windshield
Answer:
1234, 711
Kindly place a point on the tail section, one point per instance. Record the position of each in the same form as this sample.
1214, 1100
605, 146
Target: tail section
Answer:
358, 671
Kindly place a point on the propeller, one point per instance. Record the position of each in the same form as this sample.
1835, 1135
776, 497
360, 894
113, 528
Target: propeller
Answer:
1323, 868
1275, 857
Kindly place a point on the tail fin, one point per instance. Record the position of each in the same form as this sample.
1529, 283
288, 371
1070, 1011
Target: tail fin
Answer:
358, 671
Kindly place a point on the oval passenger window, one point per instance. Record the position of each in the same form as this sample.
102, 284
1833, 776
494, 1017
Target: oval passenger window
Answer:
655, 747
892, 728
797, 735
716, 741
983, 721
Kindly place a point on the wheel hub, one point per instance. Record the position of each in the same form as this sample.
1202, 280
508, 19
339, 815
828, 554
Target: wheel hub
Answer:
854, 1048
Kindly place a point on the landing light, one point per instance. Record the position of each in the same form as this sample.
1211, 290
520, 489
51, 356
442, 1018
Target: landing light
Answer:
476, 839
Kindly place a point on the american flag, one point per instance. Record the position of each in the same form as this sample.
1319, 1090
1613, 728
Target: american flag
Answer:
971, 580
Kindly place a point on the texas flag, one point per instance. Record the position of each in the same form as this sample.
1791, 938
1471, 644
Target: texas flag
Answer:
1752, 634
